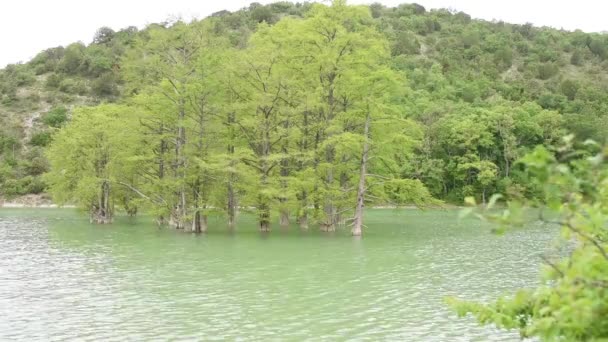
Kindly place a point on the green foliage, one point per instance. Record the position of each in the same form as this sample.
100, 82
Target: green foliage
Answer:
104, 35
547, 70
8, 143
405, 43
576, 58
572, 300
105, 86
599, 46
261, 13
53, 81
73, 59
569, 88
40, 139
486, 74
91, 149
56, 117
23, 186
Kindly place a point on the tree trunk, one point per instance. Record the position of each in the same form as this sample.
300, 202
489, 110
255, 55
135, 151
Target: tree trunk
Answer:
263, 205
264, 153
329, 225
263, 215
162, 149
199, 222
284, 218
303, 221
179, 213
303, 212
358, 219
101, 212
203, 223
177, 218
231, 206
284, 172
329, 206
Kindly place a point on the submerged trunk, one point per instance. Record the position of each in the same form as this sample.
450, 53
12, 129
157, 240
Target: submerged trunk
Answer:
263, 204
101, 212
265, 167
178, 215
284, 172
358, 219
161, 220
199, 222
284, 218
177, 218
303, 212
303, 221
264, 216
231, 201
231, 206
329, 225
199, 219
341, 219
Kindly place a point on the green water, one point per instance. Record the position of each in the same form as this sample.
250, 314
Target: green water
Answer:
64, 279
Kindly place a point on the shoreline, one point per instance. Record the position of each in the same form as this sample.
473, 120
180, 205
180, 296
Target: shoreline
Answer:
16, 205
44, 201
19, 205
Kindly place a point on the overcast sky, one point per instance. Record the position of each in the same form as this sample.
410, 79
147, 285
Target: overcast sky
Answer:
29, 26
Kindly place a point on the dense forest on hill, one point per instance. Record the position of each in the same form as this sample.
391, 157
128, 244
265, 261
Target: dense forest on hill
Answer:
402, 103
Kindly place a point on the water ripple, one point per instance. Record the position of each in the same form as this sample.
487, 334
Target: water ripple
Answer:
62, 279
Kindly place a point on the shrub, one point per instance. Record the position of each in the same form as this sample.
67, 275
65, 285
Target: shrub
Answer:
569, 88
504, 56
53, 81
599, 48
68, 86
103, 35
32, 185
547, 70
552, 101
8, 144
26, 185
11, 188
405, 44
40, 139
56, 117
105, 86
262, 13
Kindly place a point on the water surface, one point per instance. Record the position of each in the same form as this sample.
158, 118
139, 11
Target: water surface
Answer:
62, 278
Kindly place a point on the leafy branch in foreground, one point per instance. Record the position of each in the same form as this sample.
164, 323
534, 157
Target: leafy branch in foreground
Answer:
572, 301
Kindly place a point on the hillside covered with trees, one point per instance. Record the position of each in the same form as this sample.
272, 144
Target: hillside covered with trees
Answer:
304, 112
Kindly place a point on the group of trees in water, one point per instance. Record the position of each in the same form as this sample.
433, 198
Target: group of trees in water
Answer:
310, 111
304, 122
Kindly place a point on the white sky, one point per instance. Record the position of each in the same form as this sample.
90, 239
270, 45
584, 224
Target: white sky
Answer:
30, 26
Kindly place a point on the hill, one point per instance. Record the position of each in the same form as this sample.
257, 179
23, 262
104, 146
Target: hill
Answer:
483, 93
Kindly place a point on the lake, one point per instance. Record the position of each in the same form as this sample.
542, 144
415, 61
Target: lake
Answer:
62, 278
